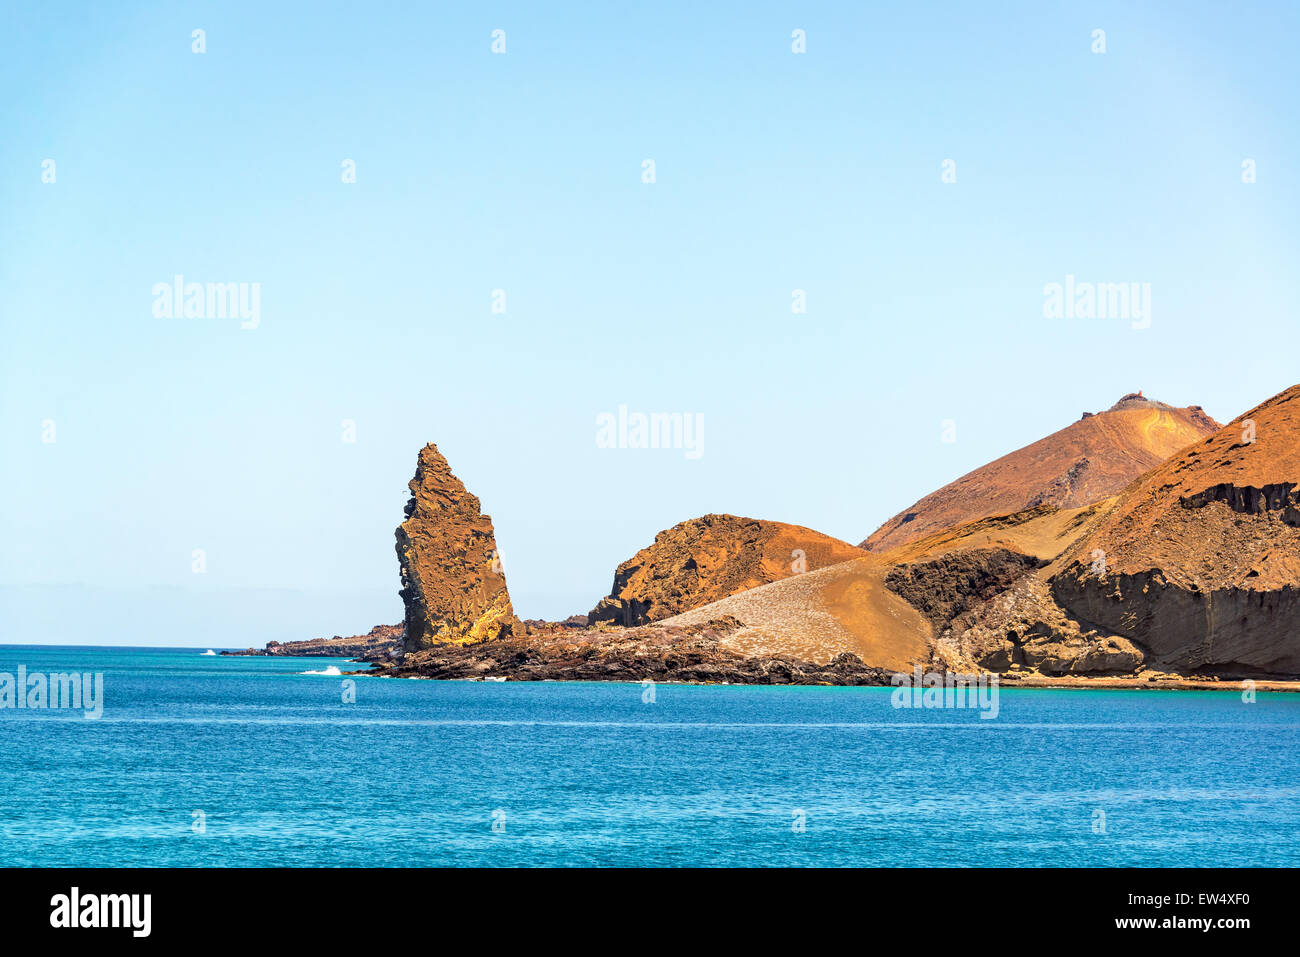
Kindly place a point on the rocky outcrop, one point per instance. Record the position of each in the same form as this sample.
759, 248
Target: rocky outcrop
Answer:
1199, 562
1280, 498
688, 653
1084, 463
379, 644
952, 584
1023, 629
992, 610
1226, 631
709, 558
540, 624
453, 584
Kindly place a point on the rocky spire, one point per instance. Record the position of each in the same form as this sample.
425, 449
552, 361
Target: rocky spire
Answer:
453, 584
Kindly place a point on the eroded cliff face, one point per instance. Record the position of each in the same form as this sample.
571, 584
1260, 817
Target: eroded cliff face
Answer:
453, 584
1024, 629
952, 585
1227, 631
992, 610
710, 558
1199, 563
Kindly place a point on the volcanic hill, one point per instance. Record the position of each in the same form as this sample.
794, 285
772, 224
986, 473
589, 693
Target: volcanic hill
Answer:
1199, 561
1083, 463
708, 558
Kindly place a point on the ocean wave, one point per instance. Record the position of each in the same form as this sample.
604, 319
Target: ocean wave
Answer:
331, 670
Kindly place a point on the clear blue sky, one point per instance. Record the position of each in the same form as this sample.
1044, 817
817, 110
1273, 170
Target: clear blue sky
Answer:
522, 172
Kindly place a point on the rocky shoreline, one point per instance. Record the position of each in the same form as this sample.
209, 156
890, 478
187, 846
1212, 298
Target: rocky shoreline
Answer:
695, 654
688, 654
381, 643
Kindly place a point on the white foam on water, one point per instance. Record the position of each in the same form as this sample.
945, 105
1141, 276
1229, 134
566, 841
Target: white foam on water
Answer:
331, 670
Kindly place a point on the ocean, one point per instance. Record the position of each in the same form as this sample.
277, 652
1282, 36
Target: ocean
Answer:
200, 760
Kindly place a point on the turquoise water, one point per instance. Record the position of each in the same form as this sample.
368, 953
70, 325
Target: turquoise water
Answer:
413, 773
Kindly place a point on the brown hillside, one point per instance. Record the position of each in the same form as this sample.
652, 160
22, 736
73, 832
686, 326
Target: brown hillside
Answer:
985, 589
1083, 463
1199, 561
819, 615
705, 559
893, 611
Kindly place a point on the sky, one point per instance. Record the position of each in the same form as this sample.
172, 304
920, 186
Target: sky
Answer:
501, 272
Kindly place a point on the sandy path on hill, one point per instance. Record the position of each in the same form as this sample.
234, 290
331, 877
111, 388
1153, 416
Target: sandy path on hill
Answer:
820, 614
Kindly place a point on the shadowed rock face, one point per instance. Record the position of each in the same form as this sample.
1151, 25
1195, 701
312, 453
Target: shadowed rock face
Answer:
951, 584
709, 558
452, 582
1084, 463
991, 608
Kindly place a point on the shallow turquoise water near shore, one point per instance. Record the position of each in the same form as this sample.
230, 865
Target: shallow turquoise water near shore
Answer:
416, 772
